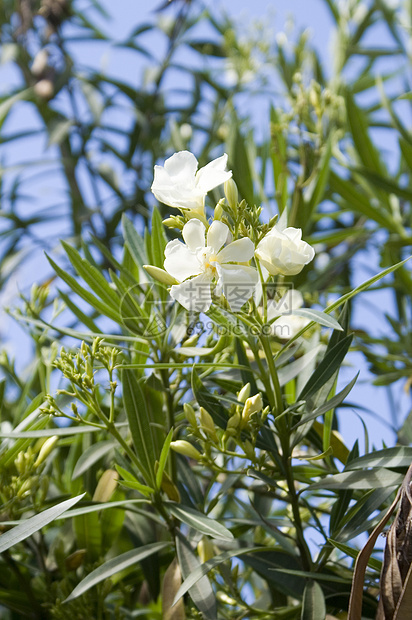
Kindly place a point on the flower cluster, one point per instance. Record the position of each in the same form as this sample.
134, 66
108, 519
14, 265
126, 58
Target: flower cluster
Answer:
209, 261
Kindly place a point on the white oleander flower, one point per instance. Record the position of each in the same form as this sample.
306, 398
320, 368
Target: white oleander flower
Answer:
181, 185
197, 263
288, 324
283, 251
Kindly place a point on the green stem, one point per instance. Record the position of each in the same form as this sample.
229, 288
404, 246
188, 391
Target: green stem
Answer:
263, 375
273, 373
115, 433
294, 502
170, 420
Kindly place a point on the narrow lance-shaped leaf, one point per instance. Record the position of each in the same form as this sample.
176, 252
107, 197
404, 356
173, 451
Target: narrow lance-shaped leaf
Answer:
313, 605
32, 525
199, 521
139, 421
113, 566
207, 566
201, 593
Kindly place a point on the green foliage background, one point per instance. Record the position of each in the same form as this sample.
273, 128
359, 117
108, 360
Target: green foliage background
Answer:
123, 549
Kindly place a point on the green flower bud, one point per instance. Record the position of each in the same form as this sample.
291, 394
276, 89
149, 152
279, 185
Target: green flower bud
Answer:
160, 275
106, 486
252, 405
184, 447
218, 212
205, 549
190, 415
175, 221
244, 393
232, 195
207, 423
224, 598
233, 422
45, 450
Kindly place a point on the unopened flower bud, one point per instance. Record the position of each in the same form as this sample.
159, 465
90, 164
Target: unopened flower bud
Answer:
232, 195
45, 450
224, 598
233, 422
205, 549
20, 462
190, 415
244, 393
192, 341
40, 63
184, 447
174, 222
106, 486
207, 423
252, 405
186, 131
44, 89
160, 275
218, 212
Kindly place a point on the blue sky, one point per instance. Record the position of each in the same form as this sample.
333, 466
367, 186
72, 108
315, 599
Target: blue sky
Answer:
306, 14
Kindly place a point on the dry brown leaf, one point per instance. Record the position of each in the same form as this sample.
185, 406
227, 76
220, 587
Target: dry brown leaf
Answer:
395, 583
171, 583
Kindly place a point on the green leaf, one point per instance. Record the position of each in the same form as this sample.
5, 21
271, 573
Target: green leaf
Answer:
369, 479
197, 520
313, 604
279, 160
134, 400
134, 242
113, 566
163, 458
316, 190
318, 317
203, 569
326, 369
201, 592
357, 201
358, 519
330, 404
158, 239
91, 456
49, 432
93, 277
353, 553
207, 400
241, 167
389, 457
265, 563
91, 299
131, 482
89, 536
358, 122
127, 504
34, 524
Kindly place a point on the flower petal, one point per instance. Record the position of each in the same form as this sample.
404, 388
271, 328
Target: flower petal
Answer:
194, 294
180, 262
181, 167
194, 234
237, 283
239, 251
213, 174
217, 235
